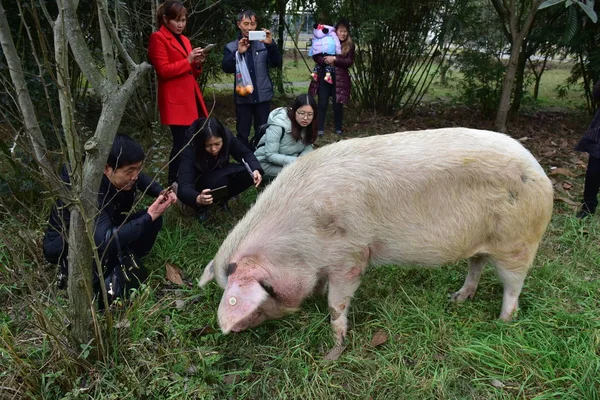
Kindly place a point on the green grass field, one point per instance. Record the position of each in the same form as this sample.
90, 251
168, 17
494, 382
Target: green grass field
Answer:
406, 340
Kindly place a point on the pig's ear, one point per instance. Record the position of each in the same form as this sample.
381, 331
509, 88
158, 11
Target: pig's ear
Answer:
208, 274
239, 303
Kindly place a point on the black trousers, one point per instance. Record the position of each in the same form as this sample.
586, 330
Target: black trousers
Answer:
178, 133
592, 184
327, 90
234, 176
245, 113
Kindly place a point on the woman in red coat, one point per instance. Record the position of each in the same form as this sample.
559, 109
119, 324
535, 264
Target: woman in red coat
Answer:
177, 66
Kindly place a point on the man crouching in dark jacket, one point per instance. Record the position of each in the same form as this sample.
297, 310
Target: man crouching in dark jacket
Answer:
137, 231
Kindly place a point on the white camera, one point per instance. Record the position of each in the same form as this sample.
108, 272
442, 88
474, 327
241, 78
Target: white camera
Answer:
257, 35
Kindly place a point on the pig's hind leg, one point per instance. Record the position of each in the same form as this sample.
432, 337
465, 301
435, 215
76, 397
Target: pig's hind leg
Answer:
467, 291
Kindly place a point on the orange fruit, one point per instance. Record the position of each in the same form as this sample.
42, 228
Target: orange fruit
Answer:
249, 89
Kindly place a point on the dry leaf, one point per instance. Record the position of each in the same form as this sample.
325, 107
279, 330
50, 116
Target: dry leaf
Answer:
173, 274
523, 139
561, 171
497, 383
379, 338
566, 185
335, 353
231, 379
124, 323
205, 330
179, 304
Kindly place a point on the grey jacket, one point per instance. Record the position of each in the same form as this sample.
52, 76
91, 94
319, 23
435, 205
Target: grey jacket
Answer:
259, 58
278, 150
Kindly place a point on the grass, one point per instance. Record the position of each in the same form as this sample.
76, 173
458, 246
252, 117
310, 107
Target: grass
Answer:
167, 344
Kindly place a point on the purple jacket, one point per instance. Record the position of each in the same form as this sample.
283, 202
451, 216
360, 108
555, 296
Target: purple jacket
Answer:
342, 76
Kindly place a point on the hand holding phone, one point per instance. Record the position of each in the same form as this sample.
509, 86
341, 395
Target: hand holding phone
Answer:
257, 35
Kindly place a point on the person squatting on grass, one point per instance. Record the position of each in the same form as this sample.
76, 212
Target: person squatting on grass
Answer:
590, 143
117, 196
258, 55
205, 166
291, 134
339, 90
177, 66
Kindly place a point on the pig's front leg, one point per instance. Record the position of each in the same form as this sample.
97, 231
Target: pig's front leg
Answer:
341, 290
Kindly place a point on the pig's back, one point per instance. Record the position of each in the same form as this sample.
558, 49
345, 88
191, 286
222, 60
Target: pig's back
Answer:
425, 197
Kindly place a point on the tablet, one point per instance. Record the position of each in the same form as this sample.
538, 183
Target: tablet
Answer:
219, 193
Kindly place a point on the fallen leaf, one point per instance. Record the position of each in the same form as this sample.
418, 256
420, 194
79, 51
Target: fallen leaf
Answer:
173, 274
205, 330
335, 353
497, 383
231, 379
379, 338
179, 304
567, 185
124, 323
561, 171
524, 139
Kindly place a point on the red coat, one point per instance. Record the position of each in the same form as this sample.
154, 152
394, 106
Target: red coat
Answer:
177, 85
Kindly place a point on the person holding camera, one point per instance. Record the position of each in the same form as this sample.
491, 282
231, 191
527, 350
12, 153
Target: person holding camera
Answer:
177, 65
258, 55
116, 229
205, 166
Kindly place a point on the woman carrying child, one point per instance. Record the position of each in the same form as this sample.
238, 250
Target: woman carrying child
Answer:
339, 90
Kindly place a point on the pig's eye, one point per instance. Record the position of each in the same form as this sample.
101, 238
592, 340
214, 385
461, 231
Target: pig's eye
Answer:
268, 288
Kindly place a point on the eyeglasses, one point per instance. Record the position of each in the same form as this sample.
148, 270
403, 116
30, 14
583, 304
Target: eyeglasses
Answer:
304, 114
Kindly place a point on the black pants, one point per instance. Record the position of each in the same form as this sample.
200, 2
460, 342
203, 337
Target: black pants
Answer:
244, 114
234, 176
178, 133
592, 184
327, 90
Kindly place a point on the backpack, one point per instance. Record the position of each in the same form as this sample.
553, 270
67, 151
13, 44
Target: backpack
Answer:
254, 142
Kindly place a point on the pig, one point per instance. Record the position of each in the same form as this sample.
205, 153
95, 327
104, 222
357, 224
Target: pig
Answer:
416, 198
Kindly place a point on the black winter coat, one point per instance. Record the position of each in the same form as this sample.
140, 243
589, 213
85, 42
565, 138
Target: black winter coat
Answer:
590, 142
114, 205
190, 171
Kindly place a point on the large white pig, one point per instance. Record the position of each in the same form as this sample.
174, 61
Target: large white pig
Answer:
416, 198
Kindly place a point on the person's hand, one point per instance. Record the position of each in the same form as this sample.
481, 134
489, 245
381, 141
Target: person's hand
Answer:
194, 54
329, 60
243, 45
204, 198
200, 58
269, 38
161, 204
257, 178
168, 195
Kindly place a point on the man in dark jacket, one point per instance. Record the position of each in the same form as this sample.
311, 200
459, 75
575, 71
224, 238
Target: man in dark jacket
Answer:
137, 232
259, 56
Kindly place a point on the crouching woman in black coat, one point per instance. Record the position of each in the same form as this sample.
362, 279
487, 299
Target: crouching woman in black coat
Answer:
205, 166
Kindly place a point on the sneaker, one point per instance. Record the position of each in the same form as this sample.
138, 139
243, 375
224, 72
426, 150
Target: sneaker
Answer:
320, 133
339, 133
202, 214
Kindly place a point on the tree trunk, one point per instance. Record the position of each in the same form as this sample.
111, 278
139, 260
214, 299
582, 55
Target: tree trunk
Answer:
280, 42
30, 120
519, 81
110, 64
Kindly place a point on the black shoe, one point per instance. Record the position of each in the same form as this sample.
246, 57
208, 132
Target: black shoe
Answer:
583, 213
202, 214
225, 207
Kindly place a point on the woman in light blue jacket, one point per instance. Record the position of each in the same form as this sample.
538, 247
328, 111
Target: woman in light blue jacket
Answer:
291, 134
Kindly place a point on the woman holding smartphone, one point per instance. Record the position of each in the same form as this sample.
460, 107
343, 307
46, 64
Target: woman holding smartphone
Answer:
177, 65
205, 166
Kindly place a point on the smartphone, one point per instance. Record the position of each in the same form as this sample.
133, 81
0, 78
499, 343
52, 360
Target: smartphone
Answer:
208, 48
257, 35
219, 193
248, 168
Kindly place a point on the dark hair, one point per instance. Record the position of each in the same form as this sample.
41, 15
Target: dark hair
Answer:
125, 151
170, 10
311, 129
248, 14
347, 44
200, 131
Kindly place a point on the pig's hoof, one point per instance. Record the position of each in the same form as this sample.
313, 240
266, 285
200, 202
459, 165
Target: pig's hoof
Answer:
462, 295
